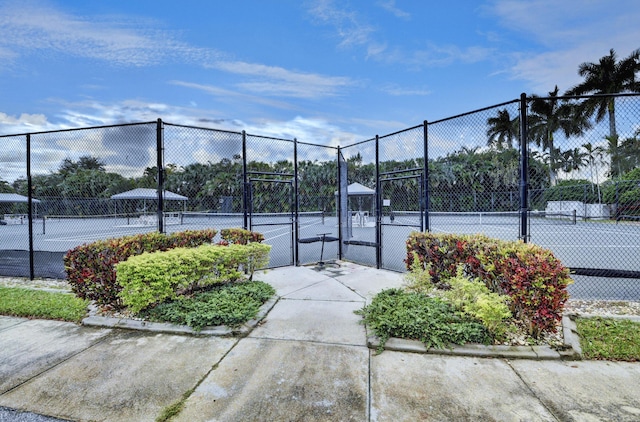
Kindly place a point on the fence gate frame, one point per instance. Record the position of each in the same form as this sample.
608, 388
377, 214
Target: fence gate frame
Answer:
390, 177
278, 179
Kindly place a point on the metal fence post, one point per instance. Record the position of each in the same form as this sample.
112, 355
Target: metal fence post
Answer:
524, 170
245, 198
160, 165
296, 204
339, 204
30, 205
426, 176
378, 199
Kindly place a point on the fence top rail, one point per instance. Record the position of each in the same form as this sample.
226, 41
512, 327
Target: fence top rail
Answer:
582, 97
316, 145
76, 129
358, 143
473, 112
202, 128
270, 138
401, 131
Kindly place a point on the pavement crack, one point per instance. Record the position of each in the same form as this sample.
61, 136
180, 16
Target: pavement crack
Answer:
532, 391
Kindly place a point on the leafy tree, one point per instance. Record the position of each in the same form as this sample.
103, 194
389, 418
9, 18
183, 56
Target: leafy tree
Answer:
608, 76
5, 187
502, 130
548, 116
571, 190
86, 162
573, 160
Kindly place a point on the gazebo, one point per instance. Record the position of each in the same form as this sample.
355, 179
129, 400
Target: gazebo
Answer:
148, 194
14, 198
360, 192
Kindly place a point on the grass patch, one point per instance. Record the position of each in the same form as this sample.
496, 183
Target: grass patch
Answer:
30, 303
229, 304
609, 339
416, 316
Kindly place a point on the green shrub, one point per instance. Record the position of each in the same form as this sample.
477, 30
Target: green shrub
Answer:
411, 315
91, 267
475, 299
240, 236
418, 279
229, 304
152, 278
531, 276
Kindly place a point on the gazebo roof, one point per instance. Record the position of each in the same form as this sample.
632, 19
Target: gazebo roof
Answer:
14, 197
147, 193
356, 189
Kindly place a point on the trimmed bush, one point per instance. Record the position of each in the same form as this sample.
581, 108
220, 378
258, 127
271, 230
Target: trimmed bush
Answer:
91, 267
240, 236
153, 278
532, 276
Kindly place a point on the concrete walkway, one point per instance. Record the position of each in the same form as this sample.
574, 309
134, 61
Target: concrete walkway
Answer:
307, 361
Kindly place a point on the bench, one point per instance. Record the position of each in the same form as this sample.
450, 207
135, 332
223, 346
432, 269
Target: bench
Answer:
320, 237
360, 243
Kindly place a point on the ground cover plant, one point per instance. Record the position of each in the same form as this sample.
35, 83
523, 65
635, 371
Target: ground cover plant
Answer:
32, 303
416, 316
609, 339
230, 304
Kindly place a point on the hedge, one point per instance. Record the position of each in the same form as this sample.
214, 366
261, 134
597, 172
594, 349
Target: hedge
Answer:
532, 276
91, 267
152, 278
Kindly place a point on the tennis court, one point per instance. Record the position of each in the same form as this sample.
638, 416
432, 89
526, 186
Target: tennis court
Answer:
58, 234
571, 239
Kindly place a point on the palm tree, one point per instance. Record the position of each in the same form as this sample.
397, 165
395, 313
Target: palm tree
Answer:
573, 160
608, 76
594, 156
549, 115
502, 130
613, 149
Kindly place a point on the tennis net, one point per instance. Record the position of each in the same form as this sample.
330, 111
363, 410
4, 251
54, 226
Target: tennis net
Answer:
212, 218
488, 218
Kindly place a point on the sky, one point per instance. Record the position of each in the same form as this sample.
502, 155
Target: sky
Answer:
320, 71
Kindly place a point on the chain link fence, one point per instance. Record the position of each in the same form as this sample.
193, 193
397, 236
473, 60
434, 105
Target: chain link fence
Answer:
578, 195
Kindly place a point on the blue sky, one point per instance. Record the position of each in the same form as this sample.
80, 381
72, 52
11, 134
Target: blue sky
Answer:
322, 71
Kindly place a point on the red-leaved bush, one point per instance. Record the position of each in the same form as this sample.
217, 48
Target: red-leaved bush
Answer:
240, 236
91, 267
532, 276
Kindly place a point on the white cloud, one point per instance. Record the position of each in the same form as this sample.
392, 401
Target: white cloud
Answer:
25, 123
396, 90
348, 24
390, 6
305, 129
27, 27
228, 95
273, 80
566, 34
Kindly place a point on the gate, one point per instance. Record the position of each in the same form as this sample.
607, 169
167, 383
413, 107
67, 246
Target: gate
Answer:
402, 211
271, 212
